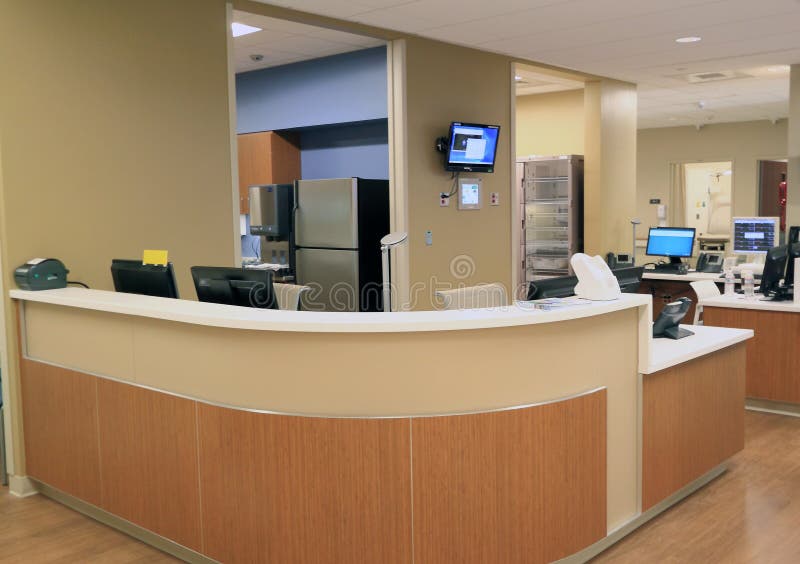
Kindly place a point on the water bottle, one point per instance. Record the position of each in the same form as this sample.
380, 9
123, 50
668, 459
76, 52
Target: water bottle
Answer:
730, 283
748, 283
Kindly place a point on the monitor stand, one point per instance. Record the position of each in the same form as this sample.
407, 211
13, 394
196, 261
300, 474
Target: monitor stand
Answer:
677, 332
783, 293
674, 266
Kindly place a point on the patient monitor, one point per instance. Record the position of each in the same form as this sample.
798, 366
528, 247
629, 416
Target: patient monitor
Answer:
595, 280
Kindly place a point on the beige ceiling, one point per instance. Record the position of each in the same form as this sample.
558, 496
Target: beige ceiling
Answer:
530, 80
282, 42
631, 40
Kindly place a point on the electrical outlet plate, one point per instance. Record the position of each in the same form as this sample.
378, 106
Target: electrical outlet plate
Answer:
444, 201
494, 199
429, 238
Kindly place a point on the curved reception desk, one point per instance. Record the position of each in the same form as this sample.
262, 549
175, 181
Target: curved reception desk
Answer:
504, 435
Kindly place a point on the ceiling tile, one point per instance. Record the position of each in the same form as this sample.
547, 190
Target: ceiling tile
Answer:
630, 40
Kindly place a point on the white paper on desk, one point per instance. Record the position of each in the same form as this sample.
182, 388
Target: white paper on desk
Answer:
266, 266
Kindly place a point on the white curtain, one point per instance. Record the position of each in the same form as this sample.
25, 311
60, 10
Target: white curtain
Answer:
677, 195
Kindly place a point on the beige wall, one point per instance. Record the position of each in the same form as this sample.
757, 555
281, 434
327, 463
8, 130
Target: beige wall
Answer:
448, 83
115, 135
550, 124
743, 143
610, 166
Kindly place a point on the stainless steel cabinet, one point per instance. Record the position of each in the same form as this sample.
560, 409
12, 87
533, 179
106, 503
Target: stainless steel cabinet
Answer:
552, 212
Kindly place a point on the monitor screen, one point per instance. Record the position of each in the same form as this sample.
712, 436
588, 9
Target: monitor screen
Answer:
629, 278
670, 241
754, 235
472, 147
133, 277
558, 287
470, 194
234, 286
794, 253
774, 269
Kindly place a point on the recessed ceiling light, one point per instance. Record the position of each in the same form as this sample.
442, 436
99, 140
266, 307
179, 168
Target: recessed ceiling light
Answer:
673, 118
240, 29
517, 77
778, 68
688, 39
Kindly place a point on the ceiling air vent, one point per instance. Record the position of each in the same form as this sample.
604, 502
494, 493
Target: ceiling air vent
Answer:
713, 76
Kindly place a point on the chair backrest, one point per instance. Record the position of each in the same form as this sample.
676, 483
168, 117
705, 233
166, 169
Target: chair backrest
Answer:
288, 295
705, 289
472, 297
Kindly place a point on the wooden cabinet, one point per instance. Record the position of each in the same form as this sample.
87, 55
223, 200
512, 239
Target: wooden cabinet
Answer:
266, 158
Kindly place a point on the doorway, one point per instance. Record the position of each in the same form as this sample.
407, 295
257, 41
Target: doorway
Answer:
771, 193
708, 198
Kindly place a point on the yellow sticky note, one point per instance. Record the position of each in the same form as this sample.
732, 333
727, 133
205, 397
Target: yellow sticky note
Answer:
155, 257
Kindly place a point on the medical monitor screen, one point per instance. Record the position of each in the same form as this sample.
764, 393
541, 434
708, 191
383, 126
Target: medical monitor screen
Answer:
754, 235
472, 147
670, 241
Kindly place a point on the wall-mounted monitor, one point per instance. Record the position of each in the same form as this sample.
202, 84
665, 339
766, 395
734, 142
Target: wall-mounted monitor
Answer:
755, 235
472, 147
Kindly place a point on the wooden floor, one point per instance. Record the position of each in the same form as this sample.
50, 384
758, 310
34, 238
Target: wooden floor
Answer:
749, 514
37, 530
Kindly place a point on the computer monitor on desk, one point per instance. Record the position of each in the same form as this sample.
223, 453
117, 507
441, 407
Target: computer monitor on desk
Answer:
629, 278
774, 271
557, 287
675, 243
134, 277
754, 235
794, 253
234, 286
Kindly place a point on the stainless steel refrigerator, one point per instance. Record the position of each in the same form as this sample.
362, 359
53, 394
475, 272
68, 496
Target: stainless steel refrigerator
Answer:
338, 225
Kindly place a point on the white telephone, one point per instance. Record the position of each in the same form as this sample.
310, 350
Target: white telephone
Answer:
596, 282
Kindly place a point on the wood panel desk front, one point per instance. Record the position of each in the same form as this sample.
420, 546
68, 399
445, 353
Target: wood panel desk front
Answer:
314, 459
773, 355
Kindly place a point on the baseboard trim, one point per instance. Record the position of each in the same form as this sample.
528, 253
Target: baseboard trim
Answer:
624, 530
148, 537
22, 486
189, 555
769, 406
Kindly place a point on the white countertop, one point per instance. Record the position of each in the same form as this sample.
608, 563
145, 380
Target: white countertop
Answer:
738, 301
665, 353
217, 315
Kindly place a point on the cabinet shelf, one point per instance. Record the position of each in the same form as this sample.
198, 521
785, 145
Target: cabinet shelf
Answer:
551, 190
563, 200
